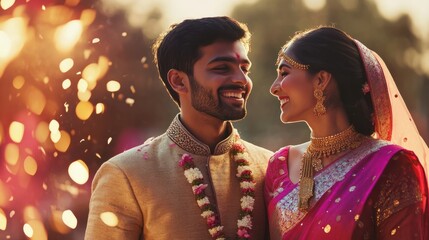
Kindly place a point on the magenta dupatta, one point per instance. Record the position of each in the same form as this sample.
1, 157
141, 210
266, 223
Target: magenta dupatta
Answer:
341, 191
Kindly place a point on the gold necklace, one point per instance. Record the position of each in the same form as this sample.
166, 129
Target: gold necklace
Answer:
318, 149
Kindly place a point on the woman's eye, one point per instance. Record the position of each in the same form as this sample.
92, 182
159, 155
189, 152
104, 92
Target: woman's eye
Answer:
283, 74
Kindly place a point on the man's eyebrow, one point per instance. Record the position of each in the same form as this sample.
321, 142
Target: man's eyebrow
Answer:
229, 59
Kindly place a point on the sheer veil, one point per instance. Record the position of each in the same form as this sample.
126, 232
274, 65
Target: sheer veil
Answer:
393, 121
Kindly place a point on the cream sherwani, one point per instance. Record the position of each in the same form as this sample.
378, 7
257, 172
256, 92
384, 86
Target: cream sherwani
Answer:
146, 190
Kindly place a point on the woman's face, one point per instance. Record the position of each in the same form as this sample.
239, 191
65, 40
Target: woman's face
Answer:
294, 89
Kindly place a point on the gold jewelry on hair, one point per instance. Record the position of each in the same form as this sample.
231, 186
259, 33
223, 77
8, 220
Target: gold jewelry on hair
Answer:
294, 63
318, 149
319, 109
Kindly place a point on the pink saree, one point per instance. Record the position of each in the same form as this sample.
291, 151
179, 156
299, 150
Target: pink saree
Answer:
376, 191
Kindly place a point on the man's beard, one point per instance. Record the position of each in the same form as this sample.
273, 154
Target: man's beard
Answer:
204, 101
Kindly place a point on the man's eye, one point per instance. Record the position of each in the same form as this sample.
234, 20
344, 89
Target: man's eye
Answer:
220, 68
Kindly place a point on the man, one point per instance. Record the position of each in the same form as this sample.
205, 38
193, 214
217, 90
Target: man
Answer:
198, 180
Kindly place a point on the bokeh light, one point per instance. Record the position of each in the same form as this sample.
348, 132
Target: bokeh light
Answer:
18, 82
5, 4
67, 35
66, 65
6, 44
99, 108
66, 84
113, 86
30, 165
69, 219
78, 172
3, 220
5, 193
11, 154
63, 143
109, 218
1, 133
36, 100
16, 131
84, 110
28, 230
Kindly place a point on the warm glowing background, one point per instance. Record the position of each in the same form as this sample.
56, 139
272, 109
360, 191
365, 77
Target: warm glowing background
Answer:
77, 86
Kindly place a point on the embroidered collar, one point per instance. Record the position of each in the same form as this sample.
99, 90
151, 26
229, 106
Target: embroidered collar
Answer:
185, 140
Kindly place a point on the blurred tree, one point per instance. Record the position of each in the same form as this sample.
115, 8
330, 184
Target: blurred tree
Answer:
273, 22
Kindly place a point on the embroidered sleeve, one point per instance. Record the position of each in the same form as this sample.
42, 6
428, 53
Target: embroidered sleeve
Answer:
398, 187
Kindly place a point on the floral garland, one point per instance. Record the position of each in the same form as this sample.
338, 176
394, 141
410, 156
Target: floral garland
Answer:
247, 185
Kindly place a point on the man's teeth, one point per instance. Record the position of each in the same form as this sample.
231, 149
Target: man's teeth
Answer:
232, 95
284, 100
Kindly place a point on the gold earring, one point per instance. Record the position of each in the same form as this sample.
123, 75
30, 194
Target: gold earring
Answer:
319, 109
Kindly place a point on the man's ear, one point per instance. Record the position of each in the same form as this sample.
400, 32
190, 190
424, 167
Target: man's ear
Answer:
322, 80
178, 80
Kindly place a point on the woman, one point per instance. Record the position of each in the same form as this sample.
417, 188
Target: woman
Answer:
352, 180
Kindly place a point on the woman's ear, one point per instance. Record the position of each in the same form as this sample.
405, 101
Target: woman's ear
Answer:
322, 80
178, 80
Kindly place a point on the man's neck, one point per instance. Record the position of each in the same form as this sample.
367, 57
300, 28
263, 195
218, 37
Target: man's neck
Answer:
207, 129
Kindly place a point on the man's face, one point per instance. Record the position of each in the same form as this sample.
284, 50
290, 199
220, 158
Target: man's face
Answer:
221, 85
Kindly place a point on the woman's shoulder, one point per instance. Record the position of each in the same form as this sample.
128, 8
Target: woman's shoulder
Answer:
288, 153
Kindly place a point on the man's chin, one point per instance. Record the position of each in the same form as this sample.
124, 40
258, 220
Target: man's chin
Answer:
235, 115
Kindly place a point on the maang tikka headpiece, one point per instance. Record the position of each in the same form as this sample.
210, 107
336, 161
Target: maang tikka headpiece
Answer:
294, 63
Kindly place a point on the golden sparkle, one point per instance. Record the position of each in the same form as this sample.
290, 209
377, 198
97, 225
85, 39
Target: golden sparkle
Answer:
42, 132
79, 172
35, 100
64, 142
6, 44
66, 84
67, 35
3, 220
327, 228
84, 110
18, 82
5, 4
109, 218
66, 65
99, 108
11, 153
16, 131
28, 230
113, 86
30, 165
1, 133
69, 219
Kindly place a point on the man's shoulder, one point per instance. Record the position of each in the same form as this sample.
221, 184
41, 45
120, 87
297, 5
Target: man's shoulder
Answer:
139, 153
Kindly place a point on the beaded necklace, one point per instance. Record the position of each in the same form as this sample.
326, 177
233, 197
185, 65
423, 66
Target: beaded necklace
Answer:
312, 159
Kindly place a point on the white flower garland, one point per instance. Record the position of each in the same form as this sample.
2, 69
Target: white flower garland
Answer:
247, 201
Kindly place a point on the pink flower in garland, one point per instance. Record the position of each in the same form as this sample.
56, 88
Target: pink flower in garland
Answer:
211, 221
186, 161
242, 233
237, 148
247, 186
199, 189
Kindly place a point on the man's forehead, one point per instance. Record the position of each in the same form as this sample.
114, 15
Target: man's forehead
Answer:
225, 50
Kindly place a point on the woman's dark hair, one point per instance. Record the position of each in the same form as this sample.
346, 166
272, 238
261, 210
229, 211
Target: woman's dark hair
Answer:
179, 47
332, 50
